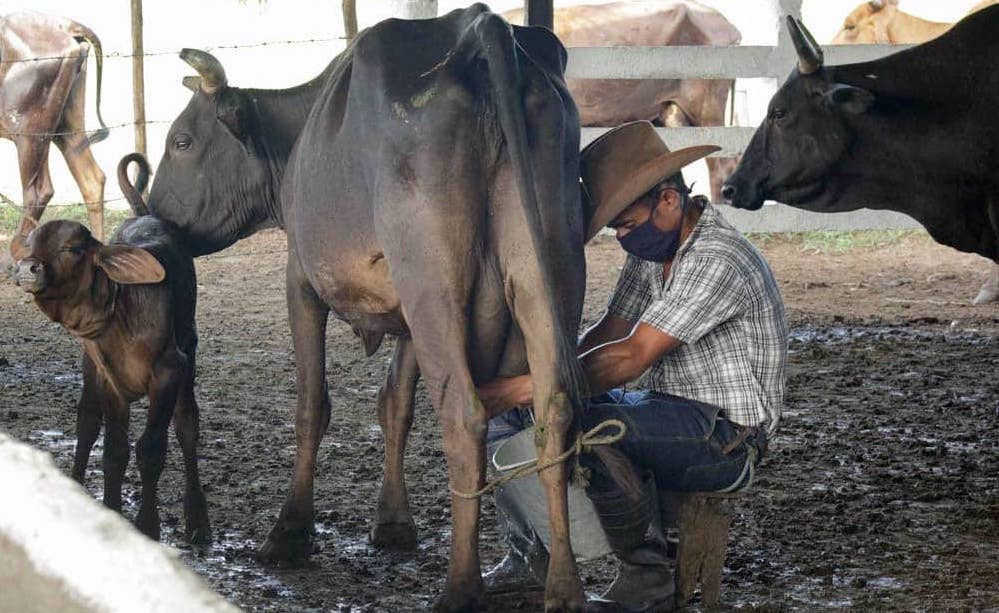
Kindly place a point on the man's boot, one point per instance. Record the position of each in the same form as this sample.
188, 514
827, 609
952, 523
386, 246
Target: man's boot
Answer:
644, 579
525, 566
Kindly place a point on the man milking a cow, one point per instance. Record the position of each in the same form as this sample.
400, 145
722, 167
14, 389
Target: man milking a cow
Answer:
696, 306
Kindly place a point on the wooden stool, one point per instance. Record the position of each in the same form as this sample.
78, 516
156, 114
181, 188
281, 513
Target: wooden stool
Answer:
702, 520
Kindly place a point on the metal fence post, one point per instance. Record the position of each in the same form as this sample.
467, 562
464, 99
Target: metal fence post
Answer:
539, 13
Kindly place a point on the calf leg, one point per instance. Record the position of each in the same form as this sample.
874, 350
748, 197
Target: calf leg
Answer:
88, 420
394, 527
116, 451
150, 450
293, 536
197, 528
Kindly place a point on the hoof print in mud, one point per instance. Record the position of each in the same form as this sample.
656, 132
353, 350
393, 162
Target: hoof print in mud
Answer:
394, 536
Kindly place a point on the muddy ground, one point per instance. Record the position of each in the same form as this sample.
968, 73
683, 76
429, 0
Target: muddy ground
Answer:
881, 492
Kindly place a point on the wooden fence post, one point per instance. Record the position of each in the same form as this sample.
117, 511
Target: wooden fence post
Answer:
138, 80
349, 19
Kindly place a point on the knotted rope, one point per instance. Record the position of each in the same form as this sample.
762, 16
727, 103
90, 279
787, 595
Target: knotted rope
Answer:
583, 443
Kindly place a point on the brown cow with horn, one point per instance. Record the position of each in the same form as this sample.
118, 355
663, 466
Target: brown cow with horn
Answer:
43, 77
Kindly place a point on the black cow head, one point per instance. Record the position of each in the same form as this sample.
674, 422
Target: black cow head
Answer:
213, 182
806, 133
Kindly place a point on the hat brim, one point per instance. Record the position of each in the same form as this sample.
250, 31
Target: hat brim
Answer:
634, 185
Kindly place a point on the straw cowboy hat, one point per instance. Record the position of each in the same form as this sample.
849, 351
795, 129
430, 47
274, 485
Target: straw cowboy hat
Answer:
625, 163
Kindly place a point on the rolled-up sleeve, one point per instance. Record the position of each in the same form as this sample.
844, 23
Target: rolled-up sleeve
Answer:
631, 296
704, 292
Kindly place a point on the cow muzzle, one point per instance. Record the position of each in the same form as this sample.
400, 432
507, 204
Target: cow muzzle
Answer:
29, 275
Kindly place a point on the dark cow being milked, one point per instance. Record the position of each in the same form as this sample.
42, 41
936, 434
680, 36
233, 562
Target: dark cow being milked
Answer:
433, 194
43, 77
914, 132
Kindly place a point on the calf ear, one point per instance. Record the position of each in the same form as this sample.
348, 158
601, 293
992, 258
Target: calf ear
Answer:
851, 99
129, 265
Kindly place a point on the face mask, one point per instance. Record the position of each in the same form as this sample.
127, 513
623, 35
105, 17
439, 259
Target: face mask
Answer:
647, 242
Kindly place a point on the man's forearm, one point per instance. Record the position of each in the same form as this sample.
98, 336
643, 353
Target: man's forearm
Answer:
610, 365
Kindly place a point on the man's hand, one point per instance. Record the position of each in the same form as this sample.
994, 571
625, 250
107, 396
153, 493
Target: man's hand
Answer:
504, 393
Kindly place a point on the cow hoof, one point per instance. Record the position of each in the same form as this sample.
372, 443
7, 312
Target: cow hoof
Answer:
399, 536
198, 534
287, 544
148, 524
986, 295
464, 603
197, 527
567, 605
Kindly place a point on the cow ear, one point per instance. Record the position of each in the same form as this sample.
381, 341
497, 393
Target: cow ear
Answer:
854, 100
129, 265
228, 109
192, 83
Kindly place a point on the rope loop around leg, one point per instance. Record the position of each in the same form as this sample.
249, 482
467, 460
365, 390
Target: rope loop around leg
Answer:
584, 442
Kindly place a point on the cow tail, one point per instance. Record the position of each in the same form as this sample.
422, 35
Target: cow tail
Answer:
84, 34
133, 193
497, 46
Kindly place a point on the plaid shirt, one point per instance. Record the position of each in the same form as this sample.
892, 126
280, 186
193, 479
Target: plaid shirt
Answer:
720, 299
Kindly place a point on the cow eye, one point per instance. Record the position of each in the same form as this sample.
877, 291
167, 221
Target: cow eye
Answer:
849, 26
182, 142
778, 114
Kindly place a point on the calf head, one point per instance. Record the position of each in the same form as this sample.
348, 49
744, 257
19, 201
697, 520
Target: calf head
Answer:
809, 129
867, 24
214, 182
60, 260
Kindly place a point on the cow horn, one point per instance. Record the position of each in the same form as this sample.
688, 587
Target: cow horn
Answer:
809, 52
210, 69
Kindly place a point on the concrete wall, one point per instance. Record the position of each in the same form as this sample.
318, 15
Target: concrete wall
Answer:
60, 550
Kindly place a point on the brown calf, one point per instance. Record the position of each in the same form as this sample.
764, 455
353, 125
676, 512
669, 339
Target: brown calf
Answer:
132, 304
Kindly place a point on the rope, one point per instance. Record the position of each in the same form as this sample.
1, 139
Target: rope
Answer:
583, 443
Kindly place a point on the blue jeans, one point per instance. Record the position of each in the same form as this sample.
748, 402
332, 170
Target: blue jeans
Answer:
678, 441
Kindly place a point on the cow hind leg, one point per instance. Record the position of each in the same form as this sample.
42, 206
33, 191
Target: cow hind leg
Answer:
553, 415
394, 527
293, 536
88, 176
36, 184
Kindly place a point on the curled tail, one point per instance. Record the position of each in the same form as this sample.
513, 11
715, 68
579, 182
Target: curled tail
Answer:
84, 34
496, 45
133, 193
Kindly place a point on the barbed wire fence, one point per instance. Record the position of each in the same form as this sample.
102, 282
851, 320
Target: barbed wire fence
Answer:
6, 201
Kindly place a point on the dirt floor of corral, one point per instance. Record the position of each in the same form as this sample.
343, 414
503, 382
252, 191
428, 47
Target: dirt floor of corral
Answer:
881, 491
